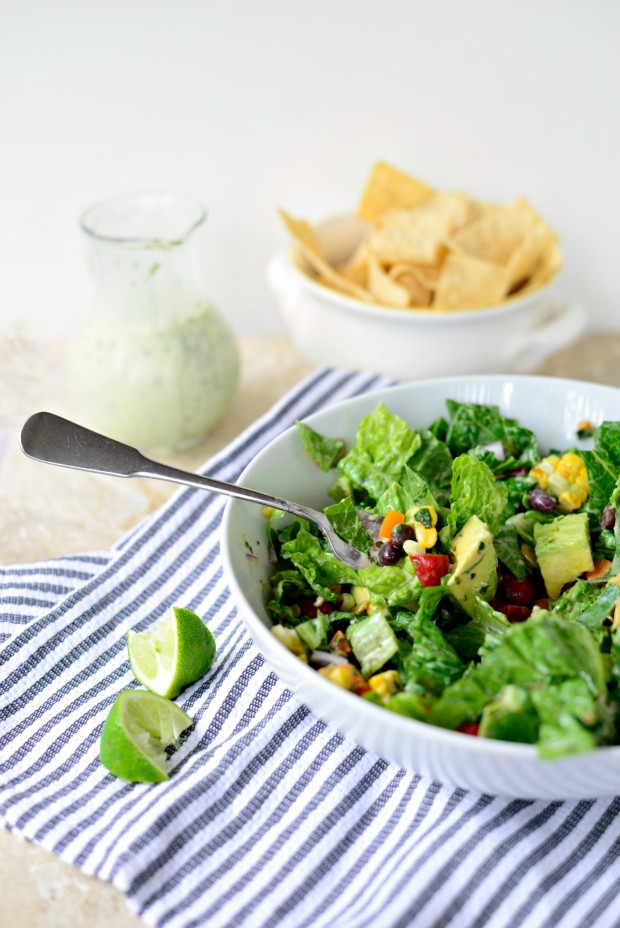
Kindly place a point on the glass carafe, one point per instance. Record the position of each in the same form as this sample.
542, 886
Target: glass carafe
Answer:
153, 363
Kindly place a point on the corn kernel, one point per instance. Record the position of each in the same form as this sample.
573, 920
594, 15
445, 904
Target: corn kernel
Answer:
340, 674
571, 499
566, 478
427, 537
569, 465
385, 684
291, 640
411, 514
543, 470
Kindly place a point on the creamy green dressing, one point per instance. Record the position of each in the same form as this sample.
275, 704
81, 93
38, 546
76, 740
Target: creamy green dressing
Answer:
160, 388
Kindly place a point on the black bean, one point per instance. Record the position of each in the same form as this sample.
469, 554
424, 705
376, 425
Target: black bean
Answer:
388, 554
608, 519
540, 501
402, 533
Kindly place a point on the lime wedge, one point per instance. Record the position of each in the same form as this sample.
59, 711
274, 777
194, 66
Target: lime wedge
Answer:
175, 652
139, 727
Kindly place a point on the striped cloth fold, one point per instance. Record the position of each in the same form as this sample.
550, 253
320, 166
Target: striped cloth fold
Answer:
271, 817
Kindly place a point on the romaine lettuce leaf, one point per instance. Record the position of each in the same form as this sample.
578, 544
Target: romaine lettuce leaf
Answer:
466, 639
432, 663
615, 562
319, 567
393, 586
325, 452
430, 598
373, 642
607, 440
594, 616
586, 602
433, 461
347, 523
508, 549
518, 487
572, 718
384, 444
476, 425
602, 477
524, 523
286, 583
603, 466
511, 716
575, 599
408, 491
539, 656
475, 491
313, 632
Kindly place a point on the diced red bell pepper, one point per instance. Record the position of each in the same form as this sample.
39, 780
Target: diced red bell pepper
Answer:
520, 592
339, 644
309, 608
469, 728
359, 685
512, 611
430, 568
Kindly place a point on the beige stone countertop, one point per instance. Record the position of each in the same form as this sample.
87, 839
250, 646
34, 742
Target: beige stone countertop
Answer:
48, 512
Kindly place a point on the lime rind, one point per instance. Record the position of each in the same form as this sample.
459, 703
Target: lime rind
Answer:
138, 729
174, 653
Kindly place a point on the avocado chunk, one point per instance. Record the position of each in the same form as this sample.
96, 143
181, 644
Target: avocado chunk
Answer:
563, 550
475, 564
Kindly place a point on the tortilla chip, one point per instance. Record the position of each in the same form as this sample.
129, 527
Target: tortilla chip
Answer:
529, 254
387, 189
469, 283
302, 232
385, 290
356, 268
427, 248
306, 243
407, 276
417, 236
548, 266
480, 208
427, 274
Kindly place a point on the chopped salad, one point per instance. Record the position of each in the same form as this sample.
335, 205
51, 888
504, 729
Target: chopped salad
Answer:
491, 606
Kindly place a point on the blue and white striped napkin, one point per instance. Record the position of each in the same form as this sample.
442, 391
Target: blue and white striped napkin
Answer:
270, 818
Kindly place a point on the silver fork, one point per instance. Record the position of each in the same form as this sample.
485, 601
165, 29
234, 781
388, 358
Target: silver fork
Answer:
54, 440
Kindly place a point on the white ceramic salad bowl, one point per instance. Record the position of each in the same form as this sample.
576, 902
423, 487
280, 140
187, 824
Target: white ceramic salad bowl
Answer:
551, 408
333, 330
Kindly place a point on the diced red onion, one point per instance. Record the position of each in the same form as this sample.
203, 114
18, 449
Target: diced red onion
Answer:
324, 658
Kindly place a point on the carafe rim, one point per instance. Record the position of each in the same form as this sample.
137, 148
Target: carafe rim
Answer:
93, 219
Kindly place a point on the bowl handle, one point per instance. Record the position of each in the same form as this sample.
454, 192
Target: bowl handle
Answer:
563, 326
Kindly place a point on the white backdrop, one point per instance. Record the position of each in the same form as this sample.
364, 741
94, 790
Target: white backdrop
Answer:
249, 105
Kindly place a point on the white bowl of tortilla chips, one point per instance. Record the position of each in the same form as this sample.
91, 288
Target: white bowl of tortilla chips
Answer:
420, 283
